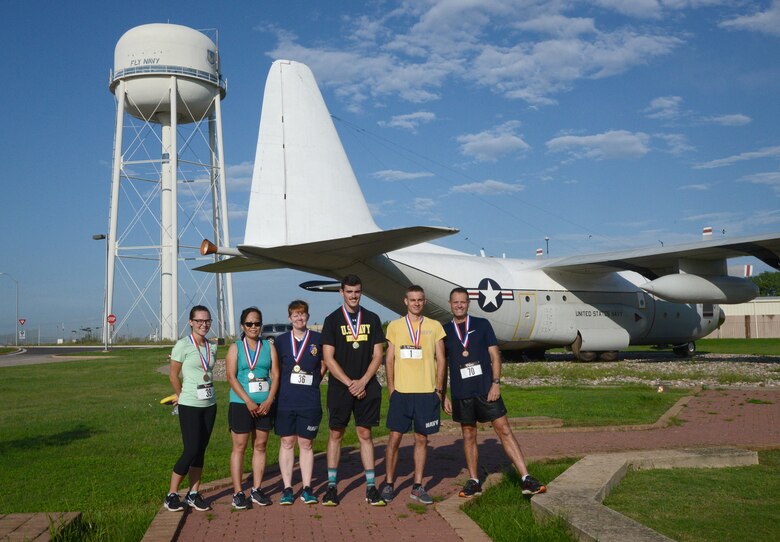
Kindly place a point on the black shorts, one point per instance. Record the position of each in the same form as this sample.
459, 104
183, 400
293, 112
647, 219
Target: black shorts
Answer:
241, 421
342, 406
303, 423
477, 409
422, 409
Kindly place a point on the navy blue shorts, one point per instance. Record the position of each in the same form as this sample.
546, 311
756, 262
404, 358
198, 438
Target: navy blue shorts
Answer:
241, 421
477, 409
302, 423
424, 409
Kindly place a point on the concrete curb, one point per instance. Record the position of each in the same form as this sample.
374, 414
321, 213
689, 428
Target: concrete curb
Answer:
577, 494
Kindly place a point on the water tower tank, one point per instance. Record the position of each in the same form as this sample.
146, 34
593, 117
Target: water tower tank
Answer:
147, 56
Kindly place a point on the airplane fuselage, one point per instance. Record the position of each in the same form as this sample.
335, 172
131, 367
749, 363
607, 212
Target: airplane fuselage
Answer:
534, 308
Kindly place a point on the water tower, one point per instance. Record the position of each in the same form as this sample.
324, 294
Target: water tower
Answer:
168, 173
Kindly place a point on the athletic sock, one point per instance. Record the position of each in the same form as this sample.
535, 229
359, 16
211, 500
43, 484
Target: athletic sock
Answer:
476, 480
522, 479
370, 477
332, 477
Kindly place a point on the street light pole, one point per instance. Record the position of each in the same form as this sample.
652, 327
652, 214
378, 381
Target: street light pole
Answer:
547, 244
16, 326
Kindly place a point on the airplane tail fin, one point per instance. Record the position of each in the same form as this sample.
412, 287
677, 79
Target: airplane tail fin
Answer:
303, 187
306, 209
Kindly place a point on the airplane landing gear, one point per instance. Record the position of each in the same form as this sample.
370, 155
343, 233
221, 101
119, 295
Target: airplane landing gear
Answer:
685, 350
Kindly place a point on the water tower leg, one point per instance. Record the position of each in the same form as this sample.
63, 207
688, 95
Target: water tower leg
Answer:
169, 236
113, 213
225, 221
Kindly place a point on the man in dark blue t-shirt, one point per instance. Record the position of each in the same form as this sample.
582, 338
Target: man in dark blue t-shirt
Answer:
474, 363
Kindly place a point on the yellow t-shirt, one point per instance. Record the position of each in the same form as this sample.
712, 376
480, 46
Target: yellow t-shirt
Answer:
415, 375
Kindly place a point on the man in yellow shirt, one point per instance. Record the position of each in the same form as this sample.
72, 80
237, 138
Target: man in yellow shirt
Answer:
415, 365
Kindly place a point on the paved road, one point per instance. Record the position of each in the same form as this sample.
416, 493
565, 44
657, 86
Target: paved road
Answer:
36, 355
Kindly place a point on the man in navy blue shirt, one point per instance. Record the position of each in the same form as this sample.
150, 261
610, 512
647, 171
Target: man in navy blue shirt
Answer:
474, 363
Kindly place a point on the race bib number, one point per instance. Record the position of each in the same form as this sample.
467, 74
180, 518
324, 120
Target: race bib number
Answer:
471, 370
410, 352
301, 379
205, 391
259, 385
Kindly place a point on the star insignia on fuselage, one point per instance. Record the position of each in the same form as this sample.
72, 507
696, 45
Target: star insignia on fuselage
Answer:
489, 295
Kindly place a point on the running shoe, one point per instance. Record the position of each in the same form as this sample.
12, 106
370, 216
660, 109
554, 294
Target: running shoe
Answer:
331, 497
472, 489
173, 503
195, 500
373, 498
287, 497
387, 493
240, 502
307, 496
531, 486
258, 497
420, 495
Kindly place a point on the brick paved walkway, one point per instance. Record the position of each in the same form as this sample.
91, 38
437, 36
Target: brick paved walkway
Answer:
717, 417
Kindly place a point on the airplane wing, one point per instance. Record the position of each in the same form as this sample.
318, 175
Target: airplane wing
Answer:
656, 262
327, 254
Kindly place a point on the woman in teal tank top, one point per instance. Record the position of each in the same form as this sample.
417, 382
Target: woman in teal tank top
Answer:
253, 374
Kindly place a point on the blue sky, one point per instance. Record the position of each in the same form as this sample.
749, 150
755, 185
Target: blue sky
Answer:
602, 125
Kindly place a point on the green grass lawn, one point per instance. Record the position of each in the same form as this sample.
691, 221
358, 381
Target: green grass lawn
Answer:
91, 435
505, 515
7, 349
698, 505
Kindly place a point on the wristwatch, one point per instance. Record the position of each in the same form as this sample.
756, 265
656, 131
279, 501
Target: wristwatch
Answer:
496, 381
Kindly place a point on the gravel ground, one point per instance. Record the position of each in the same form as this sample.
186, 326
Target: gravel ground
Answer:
652, 369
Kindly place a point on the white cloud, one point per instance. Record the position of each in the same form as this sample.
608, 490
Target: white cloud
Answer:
765, 22
413, 49
410, 121
771, 179
488, 187
766, 152
381, 208
634, 8
608, 145
664, 108
239, 176
489, 145
395, 175
736, 119
677, 143
697, 187
558, 25
423, 204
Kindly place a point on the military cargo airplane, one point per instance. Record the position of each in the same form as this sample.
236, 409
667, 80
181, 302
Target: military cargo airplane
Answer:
307, 212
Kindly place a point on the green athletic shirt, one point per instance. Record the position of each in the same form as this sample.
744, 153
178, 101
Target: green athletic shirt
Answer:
184, 352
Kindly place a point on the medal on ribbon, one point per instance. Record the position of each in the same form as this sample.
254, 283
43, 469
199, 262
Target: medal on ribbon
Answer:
297, 354
251, 361
354, 330
463, 341
203, 360
414, 336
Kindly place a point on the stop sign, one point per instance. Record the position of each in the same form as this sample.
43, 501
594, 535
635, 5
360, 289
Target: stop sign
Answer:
111, 319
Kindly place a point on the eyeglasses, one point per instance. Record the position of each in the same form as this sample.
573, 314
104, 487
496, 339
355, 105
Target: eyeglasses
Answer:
252, 324
202, 322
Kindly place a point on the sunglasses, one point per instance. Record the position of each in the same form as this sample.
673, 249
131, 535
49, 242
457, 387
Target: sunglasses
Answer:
252, 324
203, 322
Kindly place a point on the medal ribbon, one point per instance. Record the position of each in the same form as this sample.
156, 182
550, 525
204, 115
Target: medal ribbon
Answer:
356, 329
249, 359
465, 343
298, 354
414, 336
202, 357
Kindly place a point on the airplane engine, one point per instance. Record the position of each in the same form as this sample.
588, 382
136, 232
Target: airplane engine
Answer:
687, 288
